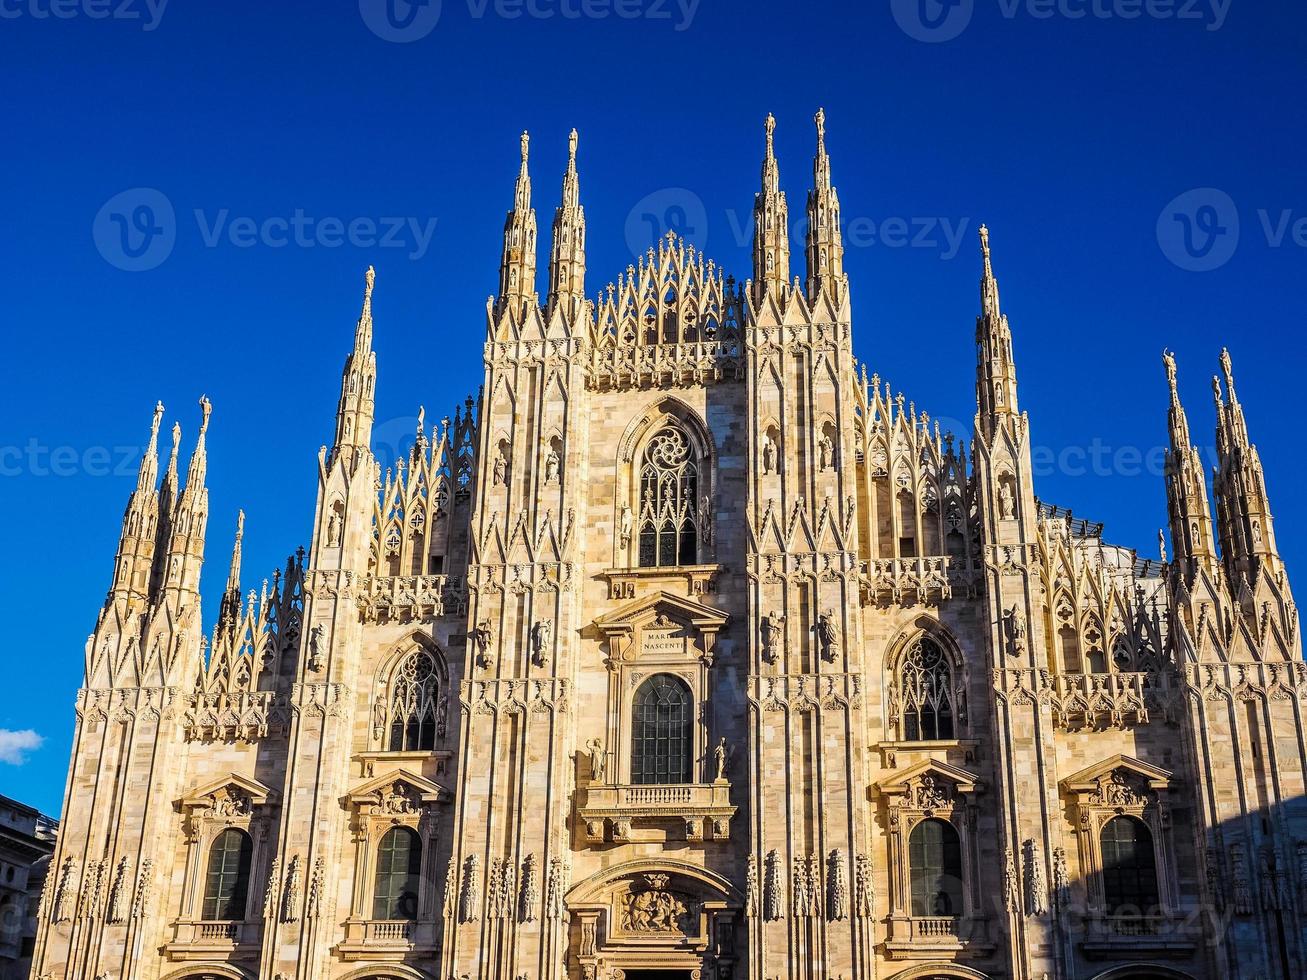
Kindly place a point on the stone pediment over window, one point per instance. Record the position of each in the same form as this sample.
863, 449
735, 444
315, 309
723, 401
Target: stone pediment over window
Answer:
397, 793
662, 627
929, 786
1119, 781
233, 796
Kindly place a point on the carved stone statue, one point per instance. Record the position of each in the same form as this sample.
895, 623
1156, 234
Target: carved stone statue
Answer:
481, 636
552, 463
722, 756
500, 470
317, 656
540, 635
827, 635
768, 456
1016, 632
598, 760
825, 453
333, 530
1007, 501
627, 525
772, 630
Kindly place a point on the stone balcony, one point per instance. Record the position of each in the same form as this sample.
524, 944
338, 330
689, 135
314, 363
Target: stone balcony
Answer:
920, 937
623, 813
205, 940
1137, 936
386, 939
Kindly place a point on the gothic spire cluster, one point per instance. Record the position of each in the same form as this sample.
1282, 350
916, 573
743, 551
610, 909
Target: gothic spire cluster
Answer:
825, 240
771, 227
996, 371
358, 382
517, 269
567, 261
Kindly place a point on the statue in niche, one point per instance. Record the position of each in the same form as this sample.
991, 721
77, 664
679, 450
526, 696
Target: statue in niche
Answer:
1017, 631
1007, 504
598, 760
500, 470
481, 637
825, 453
773, 636
333, 530
828, 635
627, 525
552, 463
317, 657
768, 455
540, 634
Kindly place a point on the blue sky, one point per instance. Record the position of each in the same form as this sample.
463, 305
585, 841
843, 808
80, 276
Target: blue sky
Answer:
1077, 129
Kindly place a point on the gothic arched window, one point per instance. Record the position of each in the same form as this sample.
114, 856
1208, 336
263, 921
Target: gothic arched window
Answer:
662, 745
935, 869
399, 872
1129, 867
669, 500
926, 688
227, 883
415, 694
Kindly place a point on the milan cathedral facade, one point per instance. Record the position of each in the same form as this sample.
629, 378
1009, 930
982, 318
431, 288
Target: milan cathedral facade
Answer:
690, 651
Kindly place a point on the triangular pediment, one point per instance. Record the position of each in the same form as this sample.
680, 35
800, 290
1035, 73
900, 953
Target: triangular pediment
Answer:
374, 790
233, 784
1088, 779
902, 780
677, 608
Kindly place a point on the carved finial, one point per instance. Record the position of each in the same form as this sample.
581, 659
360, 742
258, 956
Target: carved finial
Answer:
571, 147
984, 250
526, 144
821, 126
1161, 544
1216, 392
176, 441
206, 408
771, 132
422, 420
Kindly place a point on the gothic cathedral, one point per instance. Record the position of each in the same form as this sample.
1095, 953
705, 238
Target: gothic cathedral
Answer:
689, 651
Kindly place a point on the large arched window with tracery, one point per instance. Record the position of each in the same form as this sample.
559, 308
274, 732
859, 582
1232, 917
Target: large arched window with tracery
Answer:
926, 693
669, 500
227, 878
662, 742
414, 704
1129, 868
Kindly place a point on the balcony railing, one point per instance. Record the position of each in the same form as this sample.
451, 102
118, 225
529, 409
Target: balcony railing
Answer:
936, 928
610, 811
219, 930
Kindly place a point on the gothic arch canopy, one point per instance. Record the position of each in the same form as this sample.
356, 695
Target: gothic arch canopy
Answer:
667, 409
924, 626
407, 645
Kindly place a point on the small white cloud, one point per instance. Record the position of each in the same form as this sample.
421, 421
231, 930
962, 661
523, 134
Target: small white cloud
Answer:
14, 745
